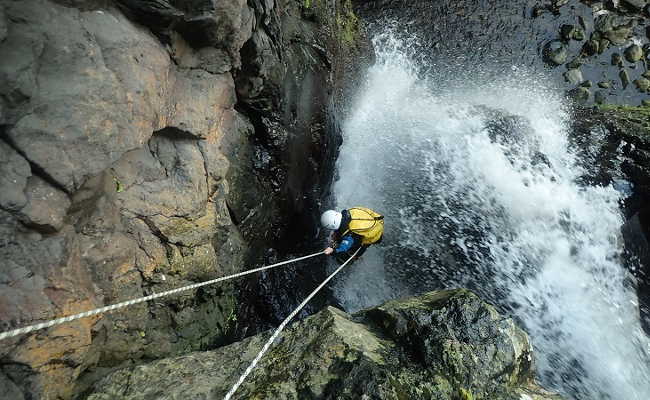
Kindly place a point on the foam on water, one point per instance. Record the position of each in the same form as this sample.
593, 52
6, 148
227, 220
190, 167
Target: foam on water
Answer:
480, 189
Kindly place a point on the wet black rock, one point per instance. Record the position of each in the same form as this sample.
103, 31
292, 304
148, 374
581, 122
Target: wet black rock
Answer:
600, 97
567, 31
591, 47
636, 5
623, 152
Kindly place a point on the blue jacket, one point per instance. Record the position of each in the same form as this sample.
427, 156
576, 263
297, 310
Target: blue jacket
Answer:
346, 243
350, 241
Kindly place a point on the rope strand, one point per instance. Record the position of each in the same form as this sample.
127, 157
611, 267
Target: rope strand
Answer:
58, 321
281, 327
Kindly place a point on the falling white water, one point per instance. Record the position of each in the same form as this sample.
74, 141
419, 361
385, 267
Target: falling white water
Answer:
480, 189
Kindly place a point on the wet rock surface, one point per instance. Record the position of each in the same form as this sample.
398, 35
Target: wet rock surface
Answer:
145, 146
491, 39
442, 345
615, 142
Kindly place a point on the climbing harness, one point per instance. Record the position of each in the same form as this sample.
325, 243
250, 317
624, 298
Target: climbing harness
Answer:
58, 321
365, 223
281, 327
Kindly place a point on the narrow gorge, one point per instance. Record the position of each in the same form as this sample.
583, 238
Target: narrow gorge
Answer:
147, 145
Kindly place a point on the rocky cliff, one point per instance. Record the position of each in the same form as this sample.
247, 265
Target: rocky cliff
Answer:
145, 145
442, 345
615, 144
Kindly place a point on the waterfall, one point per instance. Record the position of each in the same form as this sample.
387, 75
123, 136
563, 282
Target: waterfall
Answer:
481, 189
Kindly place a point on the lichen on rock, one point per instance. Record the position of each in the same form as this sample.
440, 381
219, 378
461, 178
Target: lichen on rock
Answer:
129, 165
442, 345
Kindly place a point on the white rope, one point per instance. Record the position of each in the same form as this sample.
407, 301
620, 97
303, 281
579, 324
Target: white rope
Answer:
31, 328
281, 327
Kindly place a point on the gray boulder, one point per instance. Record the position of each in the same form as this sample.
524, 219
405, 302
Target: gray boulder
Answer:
634, 53
556, 52
614, 28
573, 76
442, 345
567, 31
591, 47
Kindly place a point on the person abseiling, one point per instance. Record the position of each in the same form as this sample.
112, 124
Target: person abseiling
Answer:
358, 227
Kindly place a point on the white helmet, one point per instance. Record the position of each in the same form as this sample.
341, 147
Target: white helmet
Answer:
331, 219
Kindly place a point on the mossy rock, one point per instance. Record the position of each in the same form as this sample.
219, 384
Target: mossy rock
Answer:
631, 122
395, 351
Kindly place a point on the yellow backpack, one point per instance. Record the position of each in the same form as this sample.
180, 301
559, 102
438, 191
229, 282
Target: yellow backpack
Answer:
367, 224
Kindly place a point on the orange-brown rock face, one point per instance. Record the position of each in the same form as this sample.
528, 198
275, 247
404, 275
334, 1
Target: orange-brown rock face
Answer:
126, 169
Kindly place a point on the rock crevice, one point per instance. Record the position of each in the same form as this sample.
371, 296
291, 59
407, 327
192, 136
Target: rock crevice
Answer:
442, 345
130, 165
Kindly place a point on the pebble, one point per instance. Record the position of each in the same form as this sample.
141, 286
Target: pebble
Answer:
625, 78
